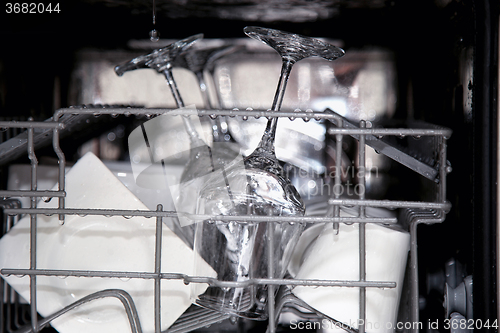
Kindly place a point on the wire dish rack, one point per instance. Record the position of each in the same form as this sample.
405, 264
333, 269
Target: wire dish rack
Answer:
431, 164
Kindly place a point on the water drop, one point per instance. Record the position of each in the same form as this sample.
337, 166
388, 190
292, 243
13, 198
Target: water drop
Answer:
245, 117
125, 279
62, 277
417, 137
127, 217
213, 116
97, 114
46, 199
114, 115
82, 215
186, 282
154, 36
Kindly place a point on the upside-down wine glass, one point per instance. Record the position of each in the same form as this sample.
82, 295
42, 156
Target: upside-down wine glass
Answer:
200, 161
223, 149
238, 250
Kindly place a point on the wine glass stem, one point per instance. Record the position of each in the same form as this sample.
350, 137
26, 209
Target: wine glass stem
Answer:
267, 141
203, 89
188, 125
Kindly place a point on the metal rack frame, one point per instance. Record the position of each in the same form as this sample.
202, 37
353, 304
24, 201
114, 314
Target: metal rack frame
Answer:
416, 212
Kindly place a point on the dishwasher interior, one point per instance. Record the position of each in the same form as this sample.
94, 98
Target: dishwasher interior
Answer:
392, 146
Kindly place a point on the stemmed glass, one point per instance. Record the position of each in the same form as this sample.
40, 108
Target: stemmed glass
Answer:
223, 151
200, 161
238, 250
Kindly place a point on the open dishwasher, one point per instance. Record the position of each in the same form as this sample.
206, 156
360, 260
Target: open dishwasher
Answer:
401, 163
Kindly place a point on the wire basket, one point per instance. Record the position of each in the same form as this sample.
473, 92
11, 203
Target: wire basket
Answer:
431, 163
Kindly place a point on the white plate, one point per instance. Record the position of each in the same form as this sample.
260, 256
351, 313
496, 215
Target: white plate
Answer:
336, 257
99, 243
309, 236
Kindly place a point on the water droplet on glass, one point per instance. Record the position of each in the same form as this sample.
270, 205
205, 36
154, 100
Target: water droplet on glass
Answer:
186, 282
125, 279
213, 116
127, 217
46, 199
245, 117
